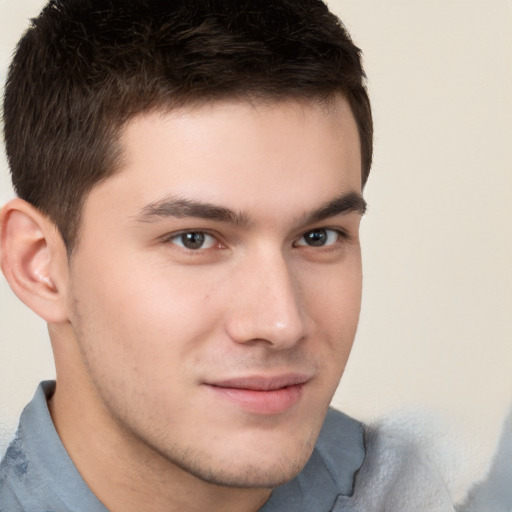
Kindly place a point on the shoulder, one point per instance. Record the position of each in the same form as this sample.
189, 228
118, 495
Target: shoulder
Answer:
12, 463
36, 473
397, 474
22, 477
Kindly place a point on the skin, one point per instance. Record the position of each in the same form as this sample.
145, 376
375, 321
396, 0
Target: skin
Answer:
151, 336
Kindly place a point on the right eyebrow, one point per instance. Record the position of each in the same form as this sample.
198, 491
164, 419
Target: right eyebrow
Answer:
181, 208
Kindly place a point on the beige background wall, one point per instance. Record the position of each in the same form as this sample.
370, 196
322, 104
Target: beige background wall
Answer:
434, 348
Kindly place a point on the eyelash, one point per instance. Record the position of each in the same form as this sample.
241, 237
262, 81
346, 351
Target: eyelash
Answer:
171, 239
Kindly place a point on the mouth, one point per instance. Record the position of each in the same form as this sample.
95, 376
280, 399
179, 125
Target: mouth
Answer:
262, 395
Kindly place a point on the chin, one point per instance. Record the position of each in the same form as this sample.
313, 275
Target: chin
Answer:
247, 476
260, 467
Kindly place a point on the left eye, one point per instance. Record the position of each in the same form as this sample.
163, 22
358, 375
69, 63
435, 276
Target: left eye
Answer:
319, 238
194, 240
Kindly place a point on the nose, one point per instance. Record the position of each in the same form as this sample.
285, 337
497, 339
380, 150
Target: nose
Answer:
266, 305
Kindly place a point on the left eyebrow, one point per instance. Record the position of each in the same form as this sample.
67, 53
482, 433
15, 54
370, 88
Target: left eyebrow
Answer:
341, 205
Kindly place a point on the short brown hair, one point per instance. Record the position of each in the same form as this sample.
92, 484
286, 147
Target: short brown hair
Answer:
85, 67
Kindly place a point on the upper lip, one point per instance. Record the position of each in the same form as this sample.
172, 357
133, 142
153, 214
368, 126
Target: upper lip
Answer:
261, 382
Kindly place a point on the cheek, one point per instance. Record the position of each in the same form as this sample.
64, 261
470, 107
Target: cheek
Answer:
139, 334
334, 294
140, 315
333, 300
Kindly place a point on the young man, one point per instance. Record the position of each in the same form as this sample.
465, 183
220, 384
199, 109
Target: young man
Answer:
190, 180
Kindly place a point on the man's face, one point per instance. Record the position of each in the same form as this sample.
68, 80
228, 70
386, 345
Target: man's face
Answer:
215, 290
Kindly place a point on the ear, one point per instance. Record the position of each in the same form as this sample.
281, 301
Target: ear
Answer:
33, 259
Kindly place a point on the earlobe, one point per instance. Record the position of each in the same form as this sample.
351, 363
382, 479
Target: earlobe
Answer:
33, 259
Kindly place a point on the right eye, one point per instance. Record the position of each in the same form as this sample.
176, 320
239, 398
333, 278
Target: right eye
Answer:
193, 240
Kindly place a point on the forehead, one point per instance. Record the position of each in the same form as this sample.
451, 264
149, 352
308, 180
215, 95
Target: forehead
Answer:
239, 154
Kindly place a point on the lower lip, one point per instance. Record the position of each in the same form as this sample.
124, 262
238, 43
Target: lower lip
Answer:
262, 402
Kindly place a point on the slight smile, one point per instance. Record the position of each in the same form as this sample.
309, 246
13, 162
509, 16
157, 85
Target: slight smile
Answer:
262, 395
